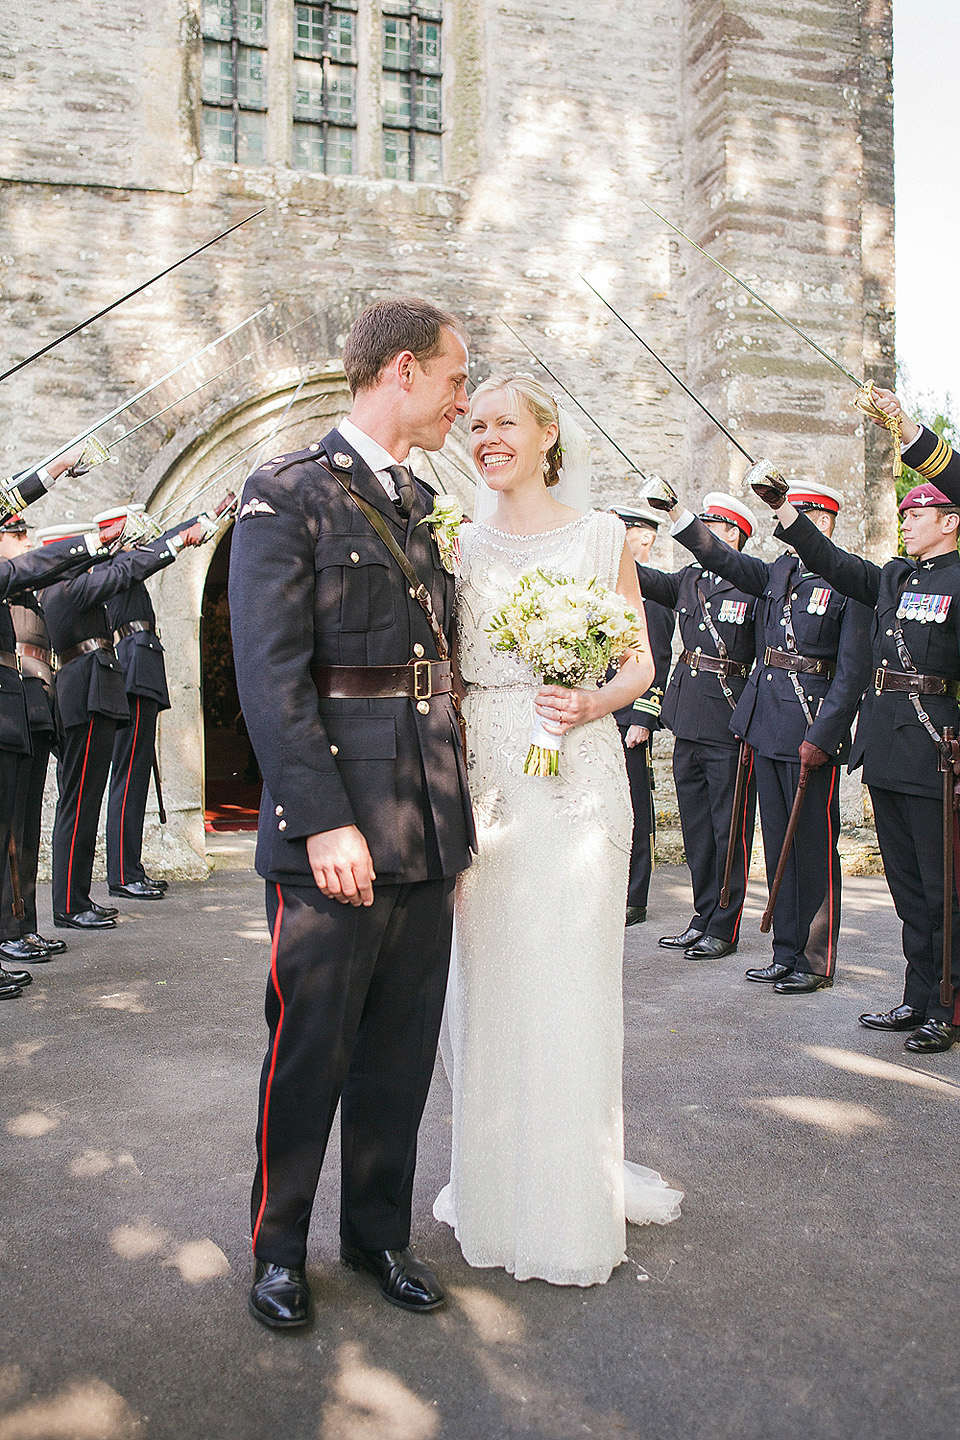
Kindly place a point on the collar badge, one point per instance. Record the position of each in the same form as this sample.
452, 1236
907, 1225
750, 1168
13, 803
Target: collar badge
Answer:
342, 462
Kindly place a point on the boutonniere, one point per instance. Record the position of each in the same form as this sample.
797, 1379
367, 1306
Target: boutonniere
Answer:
445, 517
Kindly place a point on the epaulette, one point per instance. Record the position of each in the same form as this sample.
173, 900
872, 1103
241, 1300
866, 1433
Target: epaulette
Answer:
279, 463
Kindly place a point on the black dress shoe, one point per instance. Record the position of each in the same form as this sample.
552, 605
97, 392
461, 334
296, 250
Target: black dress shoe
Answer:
636, 914
20, 978
8, 989
904, 1017
404, 1280
689, 937
137, 890
932, 1037
23, 951
84, 920
160, 884
801, 982
709, 947
769, 973
52, 947
106, 912
279, 1297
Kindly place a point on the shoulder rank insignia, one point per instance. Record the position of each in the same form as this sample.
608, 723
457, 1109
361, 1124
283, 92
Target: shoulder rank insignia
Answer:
255, 507
342, 462
819, 600
732, 612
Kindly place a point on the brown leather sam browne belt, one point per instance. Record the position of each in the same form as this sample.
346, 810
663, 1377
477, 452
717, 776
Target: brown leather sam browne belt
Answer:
418, 680
713, 664
909, 683
7, 659
86, 647
799, 664
135, 627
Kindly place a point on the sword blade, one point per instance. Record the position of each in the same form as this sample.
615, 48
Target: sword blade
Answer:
759, 298
173, 404
124, 298
556, 378
672, 373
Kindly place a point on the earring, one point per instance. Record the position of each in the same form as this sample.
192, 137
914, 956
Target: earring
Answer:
545, 465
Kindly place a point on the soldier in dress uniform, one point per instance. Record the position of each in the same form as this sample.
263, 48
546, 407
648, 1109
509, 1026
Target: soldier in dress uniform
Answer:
922, 448
716, 629
22, 941
92, 701
813, 663
366, 817
639, 721
912, 697
133, 624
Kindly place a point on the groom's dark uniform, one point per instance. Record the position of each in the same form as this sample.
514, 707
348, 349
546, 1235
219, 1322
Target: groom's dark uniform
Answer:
318, 609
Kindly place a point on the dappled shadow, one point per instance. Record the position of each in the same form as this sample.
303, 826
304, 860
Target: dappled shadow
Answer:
874, 1069
86, 1409
195, 1260
838, 1117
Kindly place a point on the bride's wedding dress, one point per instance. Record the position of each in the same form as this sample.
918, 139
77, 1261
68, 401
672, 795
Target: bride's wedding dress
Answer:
534, 1011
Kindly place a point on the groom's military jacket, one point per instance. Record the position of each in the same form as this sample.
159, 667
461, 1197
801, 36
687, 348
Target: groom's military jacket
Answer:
694, 706
831, 636
312, 584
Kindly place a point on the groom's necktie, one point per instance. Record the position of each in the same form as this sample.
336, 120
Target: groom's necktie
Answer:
400, 476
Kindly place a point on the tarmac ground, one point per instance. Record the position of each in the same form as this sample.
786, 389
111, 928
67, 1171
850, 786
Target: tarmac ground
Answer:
809, 1291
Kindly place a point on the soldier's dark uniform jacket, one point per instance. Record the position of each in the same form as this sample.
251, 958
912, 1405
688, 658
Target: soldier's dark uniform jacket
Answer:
141, 654
694, 706
646, 711
311, 583
828, 627
75, 610
38, 678
893, 747
934, 459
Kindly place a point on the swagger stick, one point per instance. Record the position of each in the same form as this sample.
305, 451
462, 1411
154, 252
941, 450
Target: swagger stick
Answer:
159, 789
946, 982
744, 762
798, 799
15, 878
124, 298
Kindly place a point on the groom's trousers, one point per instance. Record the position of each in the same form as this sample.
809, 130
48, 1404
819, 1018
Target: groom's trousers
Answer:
354, 1004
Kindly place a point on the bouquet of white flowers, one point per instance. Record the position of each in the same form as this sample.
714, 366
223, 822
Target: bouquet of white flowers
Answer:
570, 632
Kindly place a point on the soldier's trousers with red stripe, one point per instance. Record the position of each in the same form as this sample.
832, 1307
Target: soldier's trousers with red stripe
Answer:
806, 918
910, 836
28, 805
82, 770
705, 774
354, 1004
133, 752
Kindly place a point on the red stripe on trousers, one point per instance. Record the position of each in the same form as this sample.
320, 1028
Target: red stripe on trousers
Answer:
831, 951
123, 805
273, 1064
743, 842
76, 819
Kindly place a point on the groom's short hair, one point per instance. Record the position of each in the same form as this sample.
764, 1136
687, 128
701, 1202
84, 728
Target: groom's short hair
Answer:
386, 328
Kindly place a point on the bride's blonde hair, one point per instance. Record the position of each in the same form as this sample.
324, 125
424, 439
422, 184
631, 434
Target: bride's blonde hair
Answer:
542, 406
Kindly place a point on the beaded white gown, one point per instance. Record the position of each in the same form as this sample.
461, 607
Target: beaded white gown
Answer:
534, 1018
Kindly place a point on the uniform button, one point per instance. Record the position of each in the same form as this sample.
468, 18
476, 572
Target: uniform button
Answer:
418, 651
334, 749
282, 825
702, 627
793, 597
279, 810
354, 556
889, 632
423, 707
769, 677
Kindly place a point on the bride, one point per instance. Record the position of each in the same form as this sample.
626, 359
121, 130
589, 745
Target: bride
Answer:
534, 1023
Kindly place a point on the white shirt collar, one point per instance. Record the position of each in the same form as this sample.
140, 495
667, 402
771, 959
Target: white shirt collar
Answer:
370, 451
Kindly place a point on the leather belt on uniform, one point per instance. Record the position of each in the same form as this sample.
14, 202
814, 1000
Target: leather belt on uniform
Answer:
135, 627
910, 683
85, 647
7, 659
716, 666
418, 680
42, 660
799, 664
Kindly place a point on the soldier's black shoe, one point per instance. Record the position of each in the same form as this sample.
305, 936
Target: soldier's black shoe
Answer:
709, 947
404, 1280
769, 974
20, 978
9, 989
279, 1296
636, 914
138, 890
689, 937
52, 947
932, 1037
23, 951
106, 912
84, 920
801, 982
904, 1017
160, 884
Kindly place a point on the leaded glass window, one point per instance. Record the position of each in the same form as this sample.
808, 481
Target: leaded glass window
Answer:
325, 87
412, 70
235, 80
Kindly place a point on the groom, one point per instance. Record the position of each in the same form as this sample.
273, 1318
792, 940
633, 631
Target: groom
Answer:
365, 819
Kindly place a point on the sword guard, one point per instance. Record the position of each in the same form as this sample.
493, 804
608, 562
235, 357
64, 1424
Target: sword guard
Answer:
93, 453
658, 494
866, 404
767, 483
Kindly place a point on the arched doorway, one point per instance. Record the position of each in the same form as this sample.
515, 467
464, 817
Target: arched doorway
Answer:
231, 789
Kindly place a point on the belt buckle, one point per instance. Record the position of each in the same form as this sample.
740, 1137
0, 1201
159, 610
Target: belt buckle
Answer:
421, 668
879, 680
